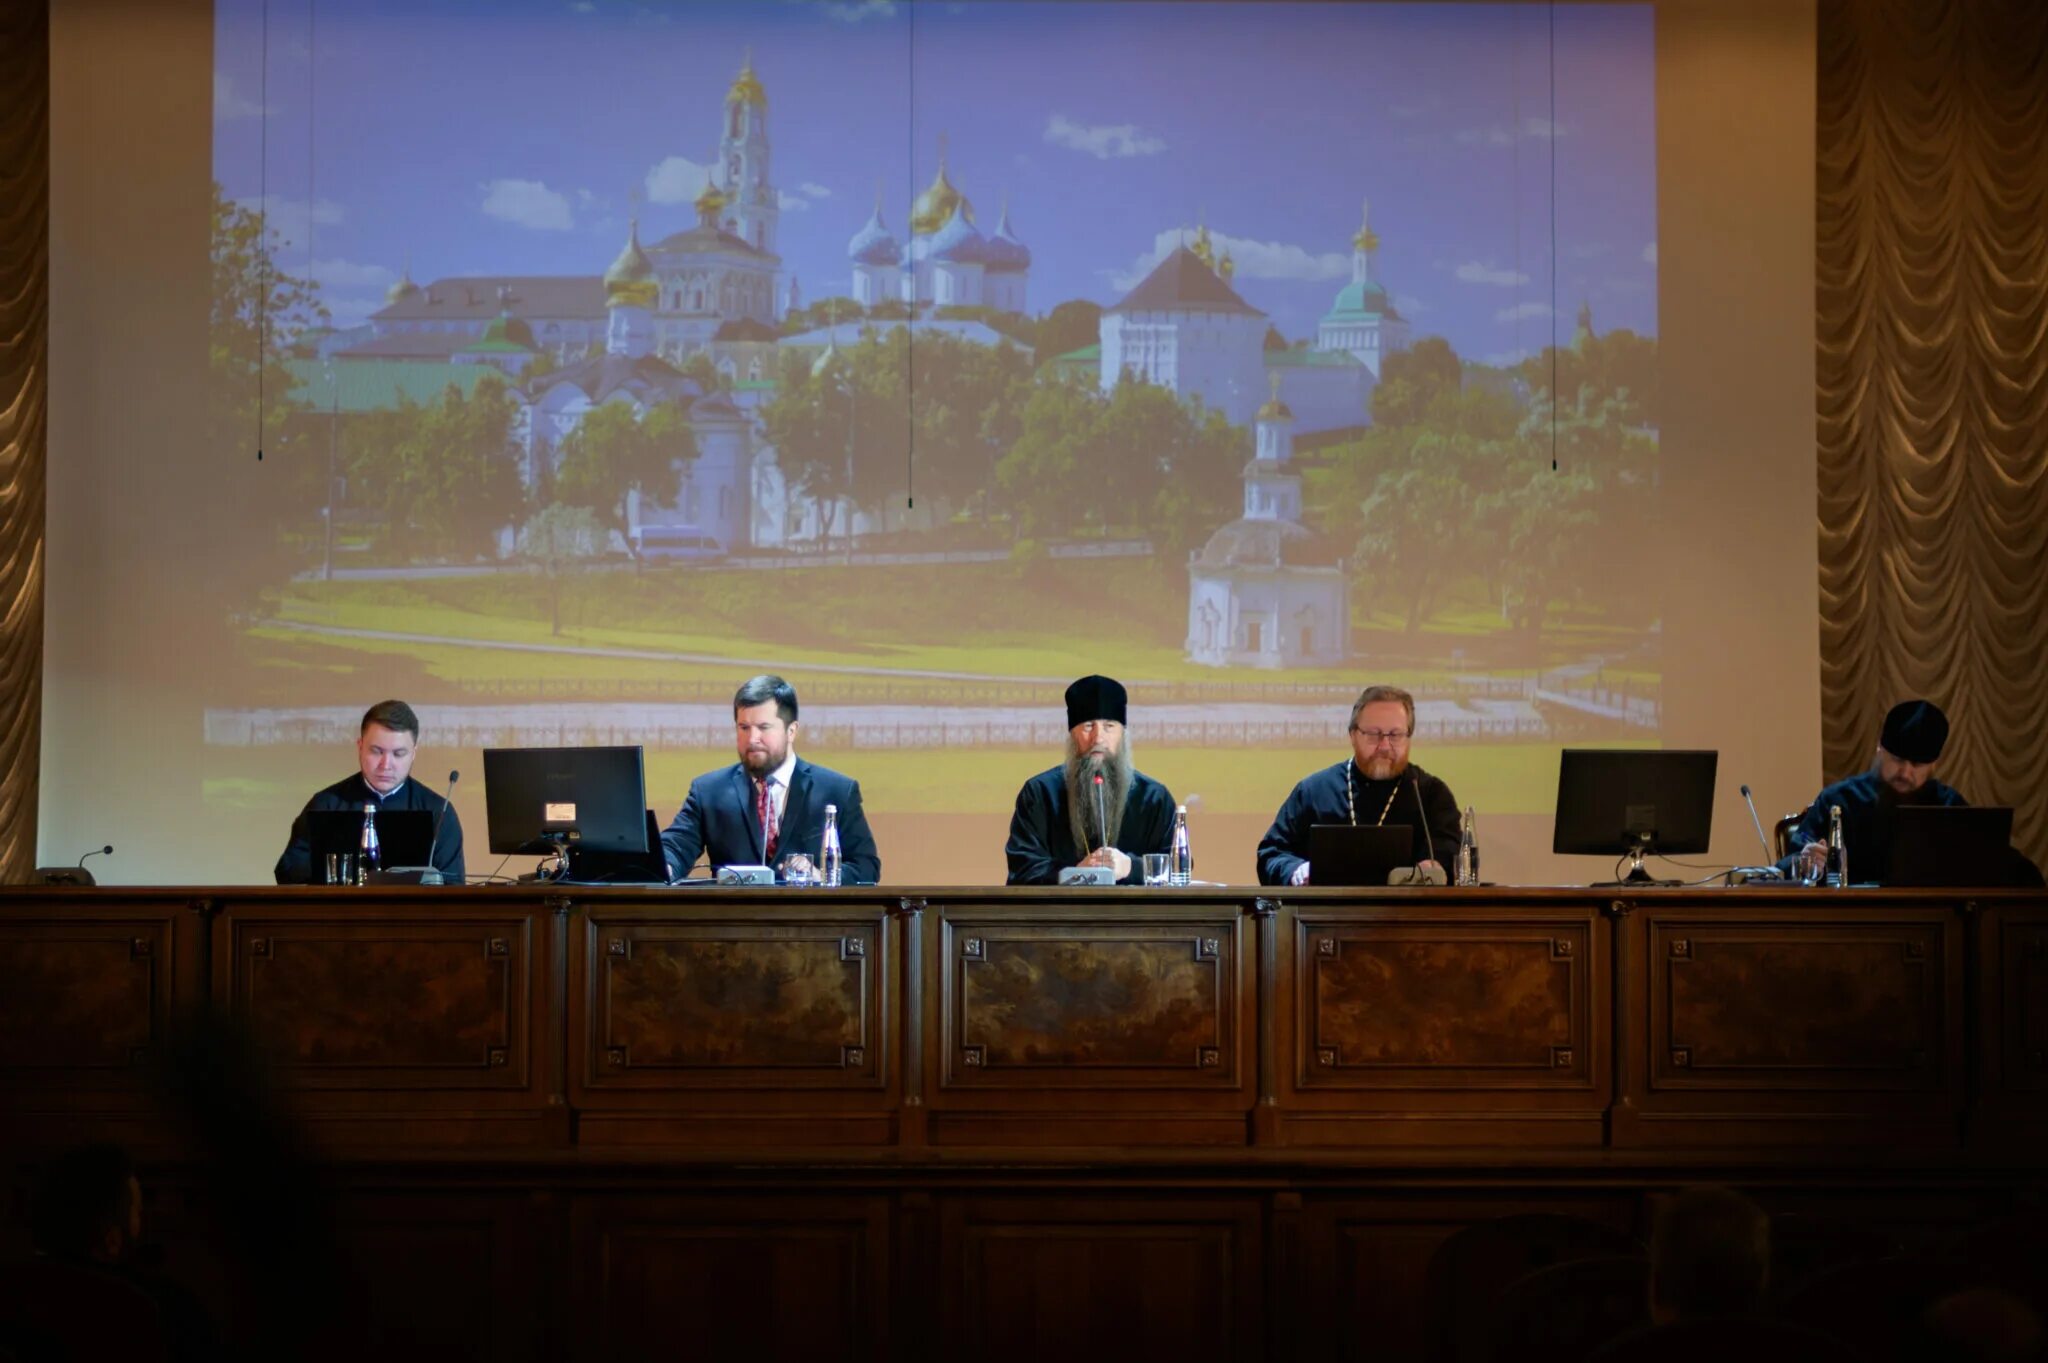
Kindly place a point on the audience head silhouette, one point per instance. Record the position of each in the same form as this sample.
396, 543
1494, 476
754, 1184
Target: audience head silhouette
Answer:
88, 1206
1710, 1255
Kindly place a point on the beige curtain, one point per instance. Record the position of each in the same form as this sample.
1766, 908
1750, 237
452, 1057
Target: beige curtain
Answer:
24, 360
1932, 239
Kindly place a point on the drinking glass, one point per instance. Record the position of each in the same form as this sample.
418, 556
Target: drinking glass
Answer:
1155, 868
797, 869
341, 868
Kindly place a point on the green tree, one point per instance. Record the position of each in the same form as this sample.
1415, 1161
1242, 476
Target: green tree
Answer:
821, 312
1071, 326
841, 427
699, 367
558, 537
962, 401
1410, 380
615, 453
253, 519
442, 477
1048, 478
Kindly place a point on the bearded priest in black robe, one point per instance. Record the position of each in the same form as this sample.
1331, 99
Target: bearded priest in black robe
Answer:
1059, 821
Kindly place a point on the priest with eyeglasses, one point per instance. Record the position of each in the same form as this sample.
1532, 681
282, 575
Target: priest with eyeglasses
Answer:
1377, 784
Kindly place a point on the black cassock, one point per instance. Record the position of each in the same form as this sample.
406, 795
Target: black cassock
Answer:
1042, 836
1415, 799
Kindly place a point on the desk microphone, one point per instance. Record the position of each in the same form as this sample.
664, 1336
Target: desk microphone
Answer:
1101, 811
106, 851
1770, 856
435, 841
1428, 842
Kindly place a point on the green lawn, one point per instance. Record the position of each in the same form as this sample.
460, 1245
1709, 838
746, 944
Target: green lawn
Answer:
1043, 620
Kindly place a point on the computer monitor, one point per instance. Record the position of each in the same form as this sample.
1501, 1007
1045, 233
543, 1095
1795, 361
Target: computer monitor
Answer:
1634, 802
540, 800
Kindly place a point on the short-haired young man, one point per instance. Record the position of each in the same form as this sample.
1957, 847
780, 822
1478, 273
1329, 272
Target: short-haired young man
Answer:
386, 746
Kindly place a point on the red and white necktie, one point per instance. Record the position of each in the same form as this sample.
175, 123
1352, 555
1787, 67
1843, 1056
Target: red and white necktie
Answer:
765, 808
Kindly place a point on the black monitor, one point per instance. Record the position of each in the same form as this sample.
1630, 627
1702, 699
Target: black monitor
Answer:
1634, 802
540, 800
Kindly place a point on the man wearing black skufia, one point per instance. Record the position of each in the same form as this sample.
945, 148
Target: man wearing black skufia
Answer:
1059, 822
1377, 784
1901, 773
386, 745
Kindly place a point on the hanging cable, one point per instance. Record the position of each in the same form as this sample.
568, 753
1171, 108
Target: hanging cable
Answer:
1553, 236
262, 223
910, 322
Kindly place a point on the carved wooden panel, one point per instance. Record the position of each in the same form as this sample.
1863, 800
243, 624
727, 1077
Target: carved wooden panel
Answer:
434, 1277
378, 1003
1077, 1276
735, 1004
1796, 1006
81, 996
1456, 1004
747, 1276
2024, 1028
1090, 1004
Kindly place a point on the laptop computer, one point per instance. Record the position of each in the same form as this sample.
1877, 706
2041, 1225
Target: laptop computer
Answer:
405, 837
1343, 854
593, 866
1949, 845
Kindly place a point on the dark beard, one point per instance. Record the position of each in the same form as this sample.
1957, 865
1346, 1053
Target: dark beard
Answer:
1079, 775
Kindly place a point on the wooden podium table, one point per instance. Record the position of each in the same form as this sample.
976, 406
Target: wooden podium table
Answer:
1227, 1123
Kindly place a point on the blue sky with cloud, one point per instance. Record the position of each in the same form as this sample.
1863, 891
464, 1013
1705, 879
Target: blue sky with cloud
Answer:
510, 138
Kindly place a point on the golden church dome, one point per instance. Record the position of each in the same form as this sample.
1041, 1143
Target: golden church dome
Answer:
937, 204
711, 202
630, 281
746, 87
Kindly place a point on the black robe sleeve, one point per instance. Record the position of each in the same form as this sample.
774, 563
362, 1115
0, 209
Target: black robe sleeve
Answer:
1030, 846
1444, 820
1285, 845
295, 864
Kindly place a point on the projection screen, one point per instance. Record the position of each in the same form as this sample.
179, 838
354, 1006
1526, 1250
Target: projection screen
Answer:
557, 367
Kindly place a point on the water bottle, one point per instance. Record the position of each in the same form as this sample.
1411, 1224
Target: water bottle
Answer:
828, 848
1468, 849
368, 851
1180, 858
1838, 851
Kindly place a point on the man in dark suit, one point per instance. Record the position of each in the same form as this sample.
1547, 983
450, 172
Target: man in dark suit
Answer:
771, 803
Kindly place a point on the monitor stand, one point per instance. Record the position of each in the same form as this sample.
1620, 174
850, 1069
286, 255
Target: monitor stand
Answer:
1638, 874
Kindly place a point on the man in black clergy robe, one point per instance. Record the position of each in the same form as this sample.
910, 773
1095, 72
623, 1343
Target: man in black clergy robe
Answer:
771, 803
1057, 825
1901, 773
385, 748
1377, 784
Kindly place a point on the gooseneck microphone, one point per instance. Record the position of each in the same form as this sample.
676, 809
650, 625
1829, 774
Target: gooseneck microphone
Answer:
1770, 856
106, 851
1101, 811
1428, 842
434, 842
